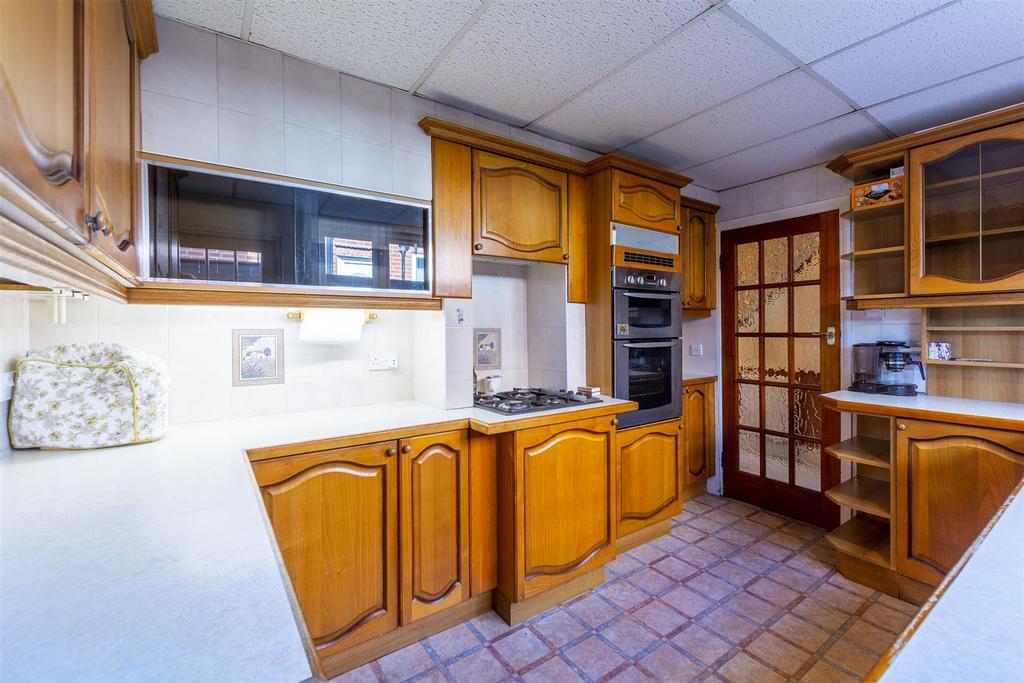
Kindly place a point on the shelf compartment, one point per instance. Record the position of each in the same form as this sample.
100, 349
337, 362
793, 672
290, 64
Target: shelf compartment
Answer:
974, 234
864, 253
863, 494
864, 538
975, 328
864, 450
973, 178
886, 209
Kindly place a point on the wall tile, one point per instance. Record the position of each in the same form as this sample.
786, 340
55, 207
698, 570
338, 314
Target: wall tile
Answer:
581, 153
406, 112
491, 126
266, 399
250, 141
800, 187
312, 154
766, 195
702, 193
365, 110
185, 66
178, 127
366, 165
412, 174
451, 312
831, 185
736, 203
459, 394
198, 405
250, 79
453, 115
312, 96
458, 353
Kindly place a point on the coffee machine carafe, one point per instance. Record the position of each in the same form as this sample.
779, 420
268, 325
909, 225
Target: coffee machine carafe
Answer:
878, 367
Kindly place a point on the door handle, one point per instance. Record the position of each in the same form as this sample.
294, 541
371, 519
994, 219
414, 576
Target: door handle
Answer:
830, 335
649, 345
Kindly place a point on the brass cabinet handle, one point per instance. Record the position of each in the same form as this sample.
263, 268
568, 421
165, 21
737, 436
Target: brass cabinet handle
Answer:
565, 257
390, 452
97, 222
478, 246
900, 426
407, 448
680, 425
615, 421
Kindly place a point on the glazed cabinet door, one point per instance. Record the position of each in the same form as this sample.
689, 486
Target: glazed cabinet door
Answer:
566, 505
698, 432
435, 523
698, 293
335, 516
950, 481
967, 213
650, 474
520, 210
41, 104
644, 202
110, 178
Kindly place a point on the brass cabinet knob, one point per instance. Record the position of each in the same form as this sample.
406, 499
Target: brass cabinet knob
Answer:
390, 452
900, 426
615, 421
97, 222
680, 425
679, 228
565, 257
407, 448
478, 246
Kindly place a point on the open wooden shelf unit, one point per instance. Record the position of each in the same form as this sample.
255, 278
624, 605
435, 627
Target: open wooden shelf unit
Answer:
863, 494
864, 538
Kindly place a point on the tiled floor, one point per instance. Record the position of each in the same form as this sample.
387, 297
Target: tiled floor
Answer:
734, 593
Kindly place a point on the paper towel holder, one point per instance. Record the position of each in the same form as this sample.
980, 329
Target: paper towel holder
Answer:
298, 315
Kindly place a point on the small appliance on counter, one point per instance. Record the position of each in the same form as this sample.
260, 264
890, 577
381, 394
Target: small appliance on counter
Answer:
877, 368
531, 400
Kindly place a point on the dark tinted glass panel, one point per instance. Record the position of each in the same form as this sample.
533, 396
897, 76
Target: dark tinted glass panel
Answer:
650, 376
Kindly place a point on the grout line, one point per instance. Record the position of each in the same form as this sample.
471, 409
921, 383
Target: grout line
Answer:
446, 50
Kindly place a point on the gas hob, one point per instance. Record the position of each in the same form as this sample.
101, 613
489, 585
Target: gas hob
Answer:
530, 400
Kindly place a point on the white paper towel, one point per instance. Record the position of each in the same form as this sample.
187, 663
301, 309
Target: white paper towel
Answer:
331, 325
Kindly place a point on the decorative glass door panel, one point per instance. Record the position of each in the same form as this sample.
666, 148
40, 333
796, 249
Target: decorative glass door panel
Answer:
780, 291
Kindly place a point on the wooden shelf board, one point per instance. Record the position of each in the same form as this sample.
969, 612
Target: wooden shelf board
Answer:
881, 251
961, 236
887, 209
976, 328
973, 178
974, 364
863, 449
864, 538
862, 494
863, 302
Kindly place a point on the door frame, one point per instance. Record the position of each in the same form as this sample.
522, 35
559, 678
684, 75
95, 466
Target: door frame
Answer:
809, 506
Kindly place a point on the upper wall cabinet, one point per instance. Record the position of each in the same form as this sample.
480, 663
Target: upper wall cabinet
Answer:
699, 262
644, 202
520, 210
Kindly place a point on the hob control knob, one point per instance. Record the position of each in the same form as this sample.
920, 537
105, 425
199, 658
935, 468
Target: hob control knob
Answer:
663, 282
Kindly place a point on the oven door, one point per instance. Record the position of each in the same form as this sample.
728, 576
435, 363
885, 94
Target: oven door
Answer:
646, 315
648, 373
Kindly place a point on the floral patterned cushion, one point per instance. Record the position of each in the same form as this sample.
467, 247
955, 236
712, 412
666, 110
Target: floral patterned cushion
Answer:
88, 396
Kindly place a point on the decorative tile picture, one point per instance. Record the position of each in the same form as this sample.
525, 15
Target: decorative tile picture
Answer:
487, 348
258, 357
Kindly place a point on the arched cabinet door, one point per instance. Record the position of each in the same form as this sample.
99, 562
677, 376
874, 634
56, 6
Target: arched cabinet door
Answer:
435, 523
950, 481
698, 260
644, 202
698, 432
335, 516
650, 476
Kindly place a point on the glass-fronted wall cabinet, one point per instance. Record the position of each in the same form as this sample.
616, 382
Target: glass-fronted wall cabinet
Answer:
967, 215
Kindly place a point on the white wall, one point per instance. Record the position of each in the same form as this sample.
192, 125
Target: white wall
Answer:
14, 343
500, 301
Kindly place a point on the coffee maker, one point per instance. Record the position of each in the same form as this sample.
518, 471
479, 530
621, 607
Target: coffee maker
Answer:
877, 368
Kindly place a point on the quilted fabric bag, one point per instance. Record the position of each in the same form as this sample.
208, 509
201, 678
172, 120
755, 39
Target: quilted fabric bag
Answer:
88, 396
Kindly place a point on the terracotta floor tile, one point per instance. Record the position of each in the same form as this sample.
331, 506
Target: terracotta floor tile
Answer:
554, 670
757, 563
773, 552
739, 509
751, 527
651, 581
686, 601
660, 618
752, 607
711, 500
364, 674
870, 636
791, 578
594, 611
405, 663
728, 624
624, 564
808, 565
735, 574
558, 628
768, 519
804, 531
722, 516
521, 648
490, 625
697, 557
648, 552
695, 507
823, 672
593, 657
735, 536
716, 546
744, 669
630, 675
898, 605
833, 596
827, 617
713, 587
479, 667
789, 541
704, 524
669, 543
433, 676
852, 586
773, 592
803, 633
682, 517
675, 569
852, 657
687, 534
453, 642
668, 664
624, 594
628, 634
777, 652
886, 617
702, 644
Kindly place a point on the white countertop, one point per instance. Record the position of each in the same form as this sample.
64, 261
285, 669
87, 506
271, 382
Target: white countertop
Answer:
154, 561
954, 408
975, 630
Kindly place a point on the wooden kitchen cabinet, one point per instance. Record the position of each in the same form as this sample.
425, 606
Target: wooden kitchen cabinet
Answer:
650, 477
644, 202
699, 259
698, 432
434, 523
949, 481
335, 516
520, 209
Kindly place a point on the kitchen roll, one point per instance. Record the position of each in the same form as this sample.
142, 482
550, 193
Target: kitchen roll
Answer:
331, 325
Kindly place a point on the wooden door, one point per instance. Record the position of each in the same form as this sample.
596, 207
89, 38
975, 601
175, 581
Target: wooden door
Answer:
780, 298
644, 202
520, 210
698, 432
566, 503
41, 104
110, 162
950, 481
452, 216
335, 517
650, 476
435, 523
699, 262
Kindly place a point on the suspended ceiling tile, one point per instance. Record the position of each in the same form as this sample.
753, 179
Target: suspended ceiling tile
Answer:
387, 42
811, 29
975, 94
541, 52
224, 16
712, 59
952, 42
787, 104
795, 151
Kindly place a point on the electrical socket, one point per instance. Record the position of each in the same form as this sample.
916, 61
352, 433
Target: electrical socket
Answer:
384, 361
696, 349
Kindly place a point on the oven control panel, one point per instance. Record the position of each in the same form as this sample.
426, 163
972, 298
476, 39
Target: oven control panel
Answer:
638, 278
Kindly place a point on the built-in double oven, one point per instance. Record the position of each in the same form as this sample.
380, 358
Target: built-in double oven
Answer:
646, 324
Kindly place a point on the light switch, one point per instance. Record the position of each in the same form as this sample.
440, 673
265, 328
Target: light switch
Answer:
696, 349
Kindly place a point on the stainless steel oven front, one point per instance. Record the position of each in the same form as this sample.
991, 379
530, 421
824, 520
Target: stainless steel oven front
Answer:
648, 372
645, 304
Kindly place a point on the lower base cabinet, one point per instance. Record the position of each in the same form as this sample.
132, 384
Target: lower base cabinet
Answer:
650, 471
698, 432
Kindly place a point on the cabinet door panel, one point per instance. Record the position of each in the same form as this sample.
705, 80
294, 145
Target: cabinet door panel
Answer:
520, 210
649, 474
435, 531
699, 432
644, 202
334, 515
951, 479
699, 261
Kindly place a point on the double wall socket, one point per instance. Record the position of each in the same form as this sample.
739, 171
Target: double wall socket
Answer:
383, 361
696, 349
